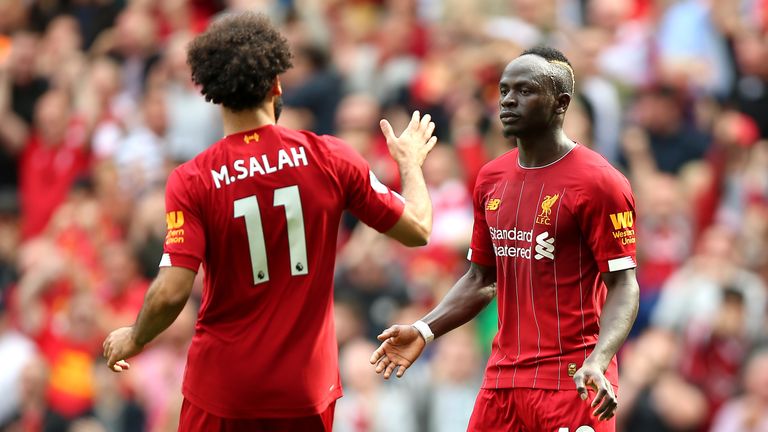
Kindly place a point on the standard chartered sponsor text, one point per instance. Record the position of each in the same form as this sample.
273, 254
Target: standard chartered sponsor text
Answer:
513, 252
512, 234
521, 243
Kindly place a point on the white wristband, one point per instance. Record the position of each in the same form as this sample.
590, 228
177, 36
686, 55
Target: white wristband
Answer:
425, 331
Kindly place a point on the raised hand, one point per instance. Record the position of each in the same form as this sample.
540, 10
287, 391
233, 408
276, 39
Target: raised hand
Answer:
401, 346
605, 401
414, 143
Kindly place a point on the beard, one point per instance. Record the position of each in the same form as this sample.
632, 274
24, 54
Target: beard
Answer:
278, 106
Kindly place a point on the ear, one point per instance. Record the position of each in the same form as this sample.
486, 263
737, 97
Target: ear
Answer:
277, 89
563, 101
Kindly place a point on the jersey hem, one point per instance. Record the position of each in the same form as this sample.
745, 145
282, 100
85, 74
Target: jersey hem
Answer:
180, 260
262, 412
390, 219
541, 384
627, 261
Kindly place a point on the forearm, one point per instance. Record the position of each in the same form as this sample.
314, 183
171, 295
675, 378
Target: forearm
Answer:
463, 302
619, 312
162, 304
417, 201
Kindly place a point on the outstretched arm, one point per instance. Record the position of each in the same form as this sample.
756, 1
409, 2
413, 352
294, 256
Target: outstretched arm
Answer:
619, 312
164, 301
402, 344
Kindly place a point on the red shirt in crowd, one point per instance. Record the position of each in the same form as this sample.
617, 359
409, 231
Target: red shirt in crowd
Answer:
46, 174
260, 210
550, 232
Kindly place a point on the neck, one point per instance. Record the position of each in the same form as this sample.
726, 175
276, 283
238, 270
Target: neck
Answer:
543, 149
254, 118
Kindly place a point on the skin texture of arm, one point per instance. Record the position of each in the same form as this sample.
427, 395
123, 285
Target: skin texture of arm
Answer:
164, 301
409, 151
619, 312
464, 301
402, 344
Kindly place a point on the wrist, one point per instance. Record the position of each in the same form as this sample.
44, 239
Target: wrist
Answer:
596, 363
135, 338
407, 164
424, 330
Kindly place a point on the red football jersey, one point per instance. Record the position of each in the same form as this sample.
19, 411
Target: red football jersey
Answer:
550, 231
260, 210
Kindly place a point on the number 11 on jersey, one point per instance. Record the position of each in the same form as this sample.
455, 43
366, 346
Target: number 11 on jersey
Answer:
248, 208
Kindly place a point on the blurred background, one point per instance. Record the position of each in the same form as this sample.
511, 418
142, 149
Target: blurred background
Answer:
96, 107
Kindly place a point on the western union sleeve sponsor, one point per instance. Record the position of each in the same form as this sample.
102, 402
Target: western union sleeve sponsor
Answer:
623, 223
622, 220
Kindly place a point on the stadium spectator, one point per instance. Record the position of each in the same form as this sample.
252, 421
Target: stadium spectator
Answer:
368, 404
748, 412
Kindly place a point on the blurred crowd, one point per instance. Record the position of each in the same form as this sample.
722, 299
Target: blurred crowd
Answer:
97, 106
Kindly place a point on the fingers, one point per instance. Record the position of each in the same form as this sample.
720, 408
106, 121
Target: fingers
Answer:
401, 371
607, 401
120, 366
386, 129
425, 121
107, 349
606, 408
599, 398
382, 365
430, 129
581, 386
377, 355
414, 123
431, 144
391, 332
390, 368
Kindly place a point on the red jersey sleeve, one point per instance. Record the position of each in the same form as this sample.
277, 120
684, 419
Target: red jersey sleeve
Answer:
606, 217
185, 237
481, 247
367, 198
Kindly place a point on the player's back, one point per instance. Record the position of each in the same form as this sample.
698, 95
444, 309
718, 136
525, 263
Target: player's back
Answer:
267, 203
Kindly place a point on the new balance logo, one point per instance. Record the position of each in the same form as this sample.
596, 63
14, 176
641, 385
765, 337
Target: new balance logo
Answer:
545, 247
622, 220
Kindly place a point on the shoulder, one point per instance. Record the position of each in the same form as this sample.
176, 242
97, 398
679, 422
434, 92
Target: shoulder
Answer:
189, 175
326, 146
595, 172
494, 169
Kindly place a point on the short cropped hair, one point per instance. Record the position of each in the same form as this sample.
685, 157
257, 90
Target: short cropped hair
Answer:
562, 71
236, 60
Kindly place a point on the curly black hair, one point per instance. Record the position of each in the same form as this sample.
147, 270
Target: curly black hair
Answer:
562, 71
237, 58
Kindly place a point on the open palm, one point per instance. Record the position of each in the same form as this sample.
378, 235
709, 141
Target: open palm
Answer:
401, 346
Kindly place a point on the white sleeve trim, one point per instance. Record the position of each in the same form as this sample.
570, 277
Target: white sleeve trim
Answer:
622, 263
469, 254
165, 261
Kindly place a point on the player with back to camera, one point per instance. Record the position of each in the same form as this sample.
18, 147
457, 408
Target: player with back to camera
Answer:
260, 209
553, 237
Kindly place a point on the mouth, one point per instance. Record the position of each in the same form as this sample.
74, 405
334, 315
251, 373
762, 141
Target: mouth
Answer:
508, 117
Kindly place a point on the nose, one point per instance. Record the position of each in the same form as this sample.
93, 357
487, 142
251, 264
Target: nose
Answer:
508, 100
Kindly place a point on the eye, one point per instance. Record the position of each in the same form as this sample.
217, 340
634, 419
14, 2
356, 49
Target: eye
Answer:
525, 92
504, 91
